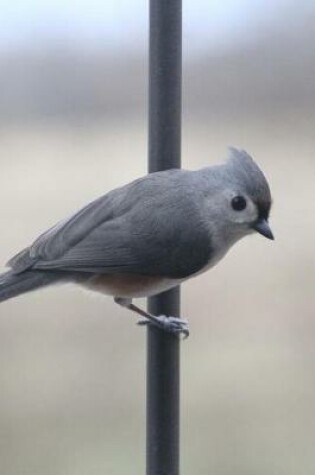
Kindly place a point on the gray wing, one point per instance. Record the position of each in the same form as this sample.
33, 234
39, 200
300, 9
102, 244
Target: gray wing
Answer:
151, 226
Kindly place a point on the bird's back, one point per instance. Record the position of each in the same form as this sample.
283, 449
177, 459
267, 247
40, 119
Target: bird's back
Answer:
152, 226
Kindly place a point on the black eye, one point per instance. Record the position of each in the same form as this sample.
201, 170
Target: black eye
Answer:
238, 203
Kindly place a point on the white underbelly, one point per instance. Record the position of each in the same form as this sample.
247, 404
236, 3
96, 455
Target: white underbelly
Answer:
129, 285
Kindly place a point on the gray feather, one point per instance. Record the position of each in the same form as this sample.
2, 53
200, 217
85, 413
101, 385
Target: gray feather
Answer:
134, 229
12, 284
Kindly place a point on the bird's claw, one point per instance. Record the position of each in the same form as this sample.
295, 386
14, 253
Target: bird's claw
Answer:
173, 325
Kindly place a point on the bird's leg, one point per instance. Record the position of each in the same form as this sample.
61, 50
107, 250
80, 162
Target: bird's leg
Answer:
172, 325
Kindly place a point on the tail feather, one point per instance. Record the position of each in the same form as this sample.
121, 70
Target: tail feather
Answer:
12, 284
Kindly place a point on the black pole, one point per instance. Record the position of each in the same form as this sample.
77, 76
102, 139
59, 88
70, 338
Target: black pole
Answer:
165, 69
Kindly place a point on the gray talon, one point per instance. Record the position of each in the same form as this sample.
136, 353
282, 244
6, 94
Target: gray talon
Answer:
172, 325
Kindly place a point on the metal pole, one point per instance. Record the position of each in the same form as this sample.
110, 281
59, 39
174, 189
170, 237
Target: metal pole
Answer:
165, 68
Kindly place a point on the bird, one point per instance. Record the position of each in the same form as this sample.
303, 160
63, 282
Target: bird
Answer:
149, 236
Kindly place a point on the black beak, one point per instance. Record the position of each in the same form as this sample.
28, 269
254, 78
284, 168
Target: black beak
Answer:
262, 227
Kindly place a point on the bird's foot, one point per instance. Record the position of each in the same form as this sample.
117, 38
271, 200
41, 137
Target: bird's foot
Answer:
173, 325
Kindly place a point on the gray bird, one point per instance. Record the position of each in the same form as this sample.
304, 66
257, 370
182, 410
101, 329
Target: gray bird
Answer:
149, 235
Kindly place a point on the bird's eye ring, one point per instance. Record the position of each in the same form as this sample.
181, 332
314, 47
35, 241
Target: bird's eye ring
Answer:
238, 203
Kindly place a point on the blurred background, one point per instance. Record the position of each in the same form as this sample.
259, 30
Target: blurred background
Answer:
73, 112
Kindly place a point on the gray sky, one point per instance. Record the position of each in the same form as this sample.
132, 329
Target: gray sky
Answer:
123, 23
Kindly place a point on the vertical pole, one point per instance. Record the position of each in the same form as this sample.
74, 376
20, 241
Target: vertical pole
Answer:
165, 68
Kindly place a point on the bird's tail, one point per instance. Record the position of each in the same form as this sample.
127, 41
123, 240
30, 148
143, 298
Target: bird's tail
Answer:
12, 284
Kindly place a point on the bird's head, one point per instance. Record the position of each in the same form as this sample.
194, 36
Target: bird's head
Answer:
249, 196
242, 200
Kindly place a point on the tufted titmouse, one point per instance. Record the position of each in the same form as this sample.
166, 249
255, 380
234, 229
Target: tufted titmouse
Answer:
149, 235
